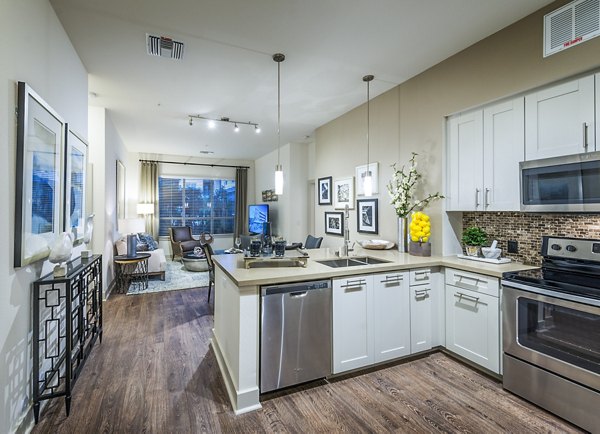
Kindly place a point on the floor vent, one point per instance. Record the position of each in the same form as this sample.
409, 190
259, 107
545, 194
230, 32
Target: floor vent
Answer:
165, 47
570, 25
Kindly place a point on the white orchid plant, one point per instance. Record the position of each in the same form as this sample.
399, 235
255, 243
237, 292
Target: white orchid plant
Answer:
402, 189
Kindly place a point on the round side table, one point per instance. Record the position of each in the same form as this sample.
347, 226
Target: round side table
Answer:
131, 270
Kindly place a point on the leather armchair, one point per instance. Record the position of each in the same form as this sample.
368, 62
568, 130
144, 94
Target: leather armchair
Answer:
182, 241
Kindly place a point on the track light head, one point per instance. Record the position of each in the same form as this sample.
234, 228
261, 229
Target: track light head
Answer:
236, 128
191, 122
211, 124
256, 129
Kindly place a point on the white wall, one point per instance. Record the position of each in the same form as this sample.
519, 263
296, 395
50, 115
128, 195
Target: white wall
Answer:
106, 148
36, 50
289, 213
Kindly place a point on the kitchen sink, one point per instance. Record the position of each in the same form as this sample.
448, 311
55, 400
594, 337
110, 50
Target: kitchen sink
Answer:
352, 262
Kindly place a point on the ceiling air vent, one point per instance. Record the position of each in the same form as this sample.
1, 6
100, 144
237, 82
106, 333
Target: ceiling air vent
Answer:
165, 47
570, 25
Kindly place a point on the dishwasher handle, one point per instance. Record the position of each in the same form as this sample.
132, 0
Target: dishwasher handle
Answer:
298, 294
295, 288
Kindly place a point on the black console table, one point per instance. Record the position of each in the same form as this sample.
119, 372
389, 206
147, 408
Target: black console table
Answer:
67, 320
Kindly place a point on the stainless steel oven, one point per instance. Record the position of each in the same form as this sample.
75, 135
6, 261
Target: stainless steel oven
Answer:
551, 331
570, 183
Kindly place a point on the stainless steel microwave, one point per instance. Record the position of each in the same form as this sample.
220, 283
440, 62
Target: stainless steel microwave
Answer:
561, 184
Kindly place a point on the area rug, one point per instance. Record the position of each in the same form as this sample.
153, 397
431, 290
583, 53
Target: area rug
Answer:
176, 277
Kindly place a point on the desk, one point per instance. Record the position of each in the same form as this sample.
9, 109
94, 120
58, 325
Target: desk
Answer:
131, 270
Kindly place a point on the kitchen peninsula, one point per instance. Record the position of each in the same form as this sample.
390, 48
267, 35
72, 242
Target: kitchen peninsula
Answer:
236, 333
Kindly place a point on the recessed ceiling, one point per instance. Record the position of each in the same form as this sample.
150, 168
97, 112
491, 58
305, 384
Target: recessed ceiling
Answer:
227, 69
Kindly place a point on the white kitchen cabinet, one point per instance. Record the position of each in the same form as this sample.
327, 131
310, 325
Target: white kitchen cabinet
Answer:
465, 161
503, 149
353, 344
484, 150
420, 318
392, 315
559, 120
472, 318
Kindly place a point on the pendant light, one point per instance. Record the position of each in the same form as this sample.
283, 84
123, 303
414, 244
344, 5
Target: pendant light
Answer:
278, 169
368, 181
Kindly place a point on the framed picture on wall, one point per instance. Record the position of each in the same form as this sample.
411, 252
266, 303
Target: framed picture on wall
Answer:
120, 190
325, 190
343, 193
367, 216
334, 223
75, 185
361, 172
39, 183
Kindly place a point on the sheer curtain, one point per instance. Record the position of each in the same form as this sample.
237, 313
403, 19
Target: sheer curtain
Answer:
241, 195
149, 193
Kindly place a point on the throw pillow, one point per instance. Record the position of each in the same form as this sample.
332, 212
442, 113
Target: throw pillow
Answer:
141, 247
147, 239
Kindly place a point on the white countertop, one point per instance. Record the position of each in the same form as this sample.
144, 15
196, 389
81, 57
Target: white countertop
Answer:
233, 266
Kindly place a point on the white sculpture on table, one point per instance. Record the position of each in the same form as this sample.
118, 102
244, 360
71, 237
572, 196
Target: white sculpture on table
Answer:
87, 237
60, 252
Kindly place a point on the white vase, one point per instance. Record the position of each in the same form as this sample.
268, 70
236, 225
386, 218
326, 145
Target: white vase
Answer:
403, 234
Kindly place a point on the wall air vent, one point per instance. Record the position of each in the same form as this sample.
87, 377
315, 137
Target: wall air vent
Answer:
570, 25
165, 47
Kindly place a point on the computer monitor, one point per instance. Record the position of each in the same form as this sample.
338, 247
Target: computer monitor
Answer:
257, 215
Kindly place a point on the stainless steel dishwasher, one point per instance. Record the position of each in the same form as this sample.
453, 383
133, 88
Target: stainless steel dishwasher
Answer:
295, 338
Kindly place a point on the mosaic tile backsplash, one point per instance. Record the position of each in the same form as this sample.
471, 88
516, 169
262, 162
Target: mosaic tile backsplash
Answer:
527, 229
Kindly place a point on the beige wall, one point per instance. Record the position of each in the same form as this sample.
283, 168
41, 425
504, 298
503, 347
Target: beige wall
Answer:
410, 117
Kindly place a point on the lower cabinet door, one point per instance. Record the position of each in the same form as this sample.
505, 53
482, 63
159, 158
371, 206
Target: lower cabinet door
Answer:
472, 326
420, 318
352, 322
391, 319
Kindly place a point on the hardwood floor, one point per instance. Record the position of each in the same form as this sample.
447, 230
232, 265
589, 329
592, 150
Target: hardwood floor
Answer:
156, 373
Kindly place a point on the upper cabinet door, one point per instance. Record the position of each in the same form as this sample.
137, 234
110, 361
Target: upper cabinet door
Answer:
504, 148
560, 120
465, 157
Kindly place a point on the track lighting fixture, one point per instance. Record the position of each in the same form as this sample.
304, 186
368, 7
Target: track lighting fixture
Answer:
212, 122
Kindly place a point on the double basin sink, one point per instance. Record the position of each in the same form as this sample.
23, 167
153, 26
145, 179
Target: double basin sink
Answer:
352, 262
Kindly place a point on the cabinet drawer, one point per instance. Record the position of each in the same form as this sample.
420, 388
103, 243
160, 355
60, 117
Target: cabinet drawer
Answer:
420, 276
473, 281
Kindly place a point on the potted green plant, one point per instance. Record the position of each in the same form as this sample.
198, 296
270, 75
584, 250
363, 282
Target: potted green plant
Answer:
473, 238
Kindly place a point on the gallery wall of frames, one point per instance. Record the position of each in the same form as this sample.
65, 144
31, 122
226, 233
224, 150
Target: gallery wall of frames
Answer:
52, 164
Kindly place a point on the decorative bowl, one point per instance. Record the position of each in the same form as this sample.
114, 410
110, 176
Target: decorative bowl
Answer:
490, 253
376, 244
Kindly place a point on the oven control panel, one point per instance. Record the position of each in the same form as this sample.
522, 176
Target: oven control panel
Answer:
571, 248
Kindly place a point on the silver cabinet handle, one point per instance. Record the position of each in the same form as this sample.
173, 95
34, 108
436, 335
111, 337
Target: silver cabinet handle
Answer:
460, 296
421, 292
477, 191
353, 283
585, 135
487, 197
393, 279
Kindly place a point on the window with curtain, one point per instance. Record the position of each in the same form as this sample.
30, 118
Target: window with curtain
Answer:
207, 205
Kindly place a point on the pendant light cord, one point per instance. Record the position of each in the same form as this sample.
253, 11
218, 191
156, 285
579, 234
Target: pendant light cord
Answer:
278, 111
368, 124
368, 79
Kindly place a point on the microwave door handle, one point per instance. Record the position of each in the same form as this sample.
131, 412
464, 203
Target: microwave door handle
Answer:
585, 135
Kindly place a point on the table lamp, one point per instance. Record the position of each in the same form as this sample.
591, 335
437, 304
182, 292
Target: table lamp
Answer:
131, 227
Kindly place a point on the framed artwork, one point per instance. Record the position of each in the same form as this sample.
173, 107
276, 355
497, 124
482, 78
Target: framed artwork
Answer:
343, 193
39, 183
76, 151
361, 172
334, 223
325, 190
367, 216
120, 190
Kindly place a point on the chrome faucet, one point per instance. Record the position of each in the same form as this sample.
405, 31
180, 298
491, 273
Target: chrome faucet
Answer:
345, 249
